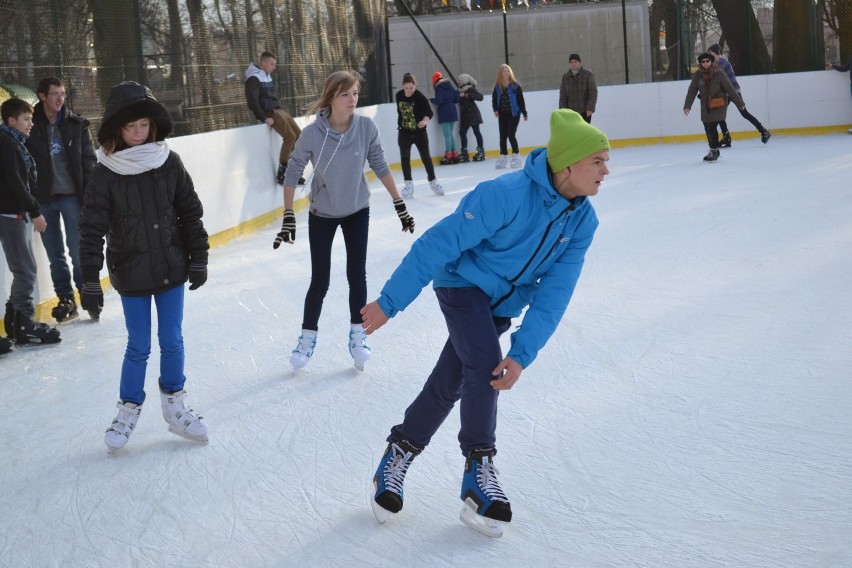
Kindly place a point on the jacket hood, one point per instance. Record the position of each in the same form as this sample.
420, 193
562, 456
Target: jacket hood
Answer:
536, 168
129, 101
466, 82
255, 71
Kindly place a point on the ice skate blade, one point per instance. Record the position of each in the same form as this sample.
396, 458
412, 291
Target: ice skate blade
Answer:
381, 514
483, 525
202, 440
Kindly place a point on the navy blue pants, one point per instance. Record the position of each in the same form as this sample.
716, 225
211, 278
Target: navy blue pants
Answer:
321, 232
463, 372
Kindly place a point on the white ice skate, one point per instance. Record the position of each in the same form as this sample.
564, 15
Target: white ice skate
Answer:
304, 350
408, 189
436, 187
358, 346
516, 161
119, 431
182, 420
501, 162
484, 525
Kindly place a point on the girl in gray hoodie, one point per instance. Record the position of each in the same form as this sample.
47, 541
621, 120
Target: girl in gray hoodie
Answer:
337, 143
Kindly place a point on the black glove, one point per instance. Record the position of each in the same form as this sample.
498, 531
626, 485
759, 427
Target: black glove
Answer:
92, 297
197, 275
288, 229
401, 212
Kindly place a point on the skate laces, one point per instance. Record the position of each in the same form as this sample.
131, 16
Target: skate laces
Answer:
395, 469
486, 478
125, 420
306, 345
357, 338
178, 408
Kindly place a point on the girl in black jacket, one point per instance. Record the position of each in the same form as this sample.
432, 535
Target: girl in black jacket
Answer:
141, 198
413, 114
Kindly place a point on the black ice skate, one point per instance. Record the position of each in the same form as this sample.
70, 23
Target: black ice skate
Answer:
9, 321
725, 142
29, 331
5, 345
712, 155
486, 508
480, 154
463, 157
65, 310
765, 135
389, 478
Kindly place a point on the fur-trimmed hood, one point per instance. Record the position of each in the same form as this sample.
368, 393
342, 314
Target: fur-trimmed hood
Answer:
129, 101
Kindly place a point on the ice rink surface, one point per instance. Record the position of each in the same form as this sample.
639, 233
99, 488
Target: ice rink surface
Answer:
692, 410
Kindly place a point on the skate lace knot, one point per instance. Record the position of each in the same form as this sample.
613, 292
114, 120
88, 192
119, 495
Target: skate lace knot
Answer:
396, 468
486, 477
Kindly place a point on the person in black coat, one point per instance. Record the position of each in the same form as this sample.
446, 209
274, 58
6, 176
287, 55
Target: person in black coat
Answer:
141, 199
470, 117
64, 155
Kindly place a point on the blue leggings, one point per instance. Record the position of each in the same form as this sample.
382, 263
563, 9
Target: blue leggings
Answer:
321, 232
449, 137
463, 372
137, 318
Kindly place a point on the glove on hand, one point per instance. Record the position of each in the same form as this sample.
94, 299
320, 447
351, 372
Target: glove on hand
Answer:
197, 275
288, 229
401, 212
92, 297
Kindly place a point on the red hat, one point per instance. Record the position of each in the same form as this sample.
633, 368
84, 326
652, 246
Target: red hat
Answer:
436, 76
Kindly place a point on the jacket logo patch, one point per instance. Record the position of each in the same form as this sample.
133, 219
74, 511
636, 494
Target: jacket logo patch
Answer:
564, 239
468, 215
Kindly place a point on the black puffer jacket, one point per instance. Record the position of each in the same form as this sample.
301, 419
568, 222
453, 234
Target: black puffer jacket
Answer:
152, 224
78, 144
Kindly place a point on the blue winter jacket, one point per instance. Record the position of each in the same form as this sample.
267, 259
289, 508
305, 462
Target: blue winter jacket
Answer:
445, 99
516, 239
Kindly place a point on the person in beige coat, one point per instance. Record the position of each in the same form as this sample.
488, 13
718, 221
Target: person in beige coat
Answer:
713, 87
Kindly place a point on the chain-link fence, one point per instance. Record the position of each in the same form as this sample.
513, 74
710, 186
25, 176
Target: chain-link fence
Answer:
620, 41
192, 53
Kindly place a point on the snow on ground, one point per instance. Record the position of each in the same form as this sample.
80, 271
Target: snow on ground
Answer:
692, 409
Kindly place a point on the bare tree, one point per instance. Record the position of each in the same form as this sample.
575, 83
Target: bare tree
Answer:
803, 46
201, 49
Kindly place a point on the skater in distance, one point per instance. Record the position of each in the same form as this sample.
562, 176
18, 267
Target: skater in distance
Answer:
713, 87
515, 242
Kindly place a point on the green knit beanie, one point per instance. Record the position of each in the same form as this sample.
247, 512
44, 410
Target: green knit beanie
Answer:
572, 139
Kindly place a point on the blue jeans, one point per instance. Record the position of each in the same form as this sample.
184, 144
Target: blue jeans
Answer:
137, 318
16, 236
62, 208
463, 372
321, 231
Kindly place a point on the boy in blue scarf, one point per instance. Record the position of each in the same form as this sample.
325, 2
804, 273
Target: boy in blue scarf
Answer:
17, 208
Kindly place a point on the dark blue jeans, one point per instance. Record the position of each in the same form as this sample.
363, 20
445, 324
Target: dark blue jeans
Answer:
463, 372
321, 231
63, 208
137, 318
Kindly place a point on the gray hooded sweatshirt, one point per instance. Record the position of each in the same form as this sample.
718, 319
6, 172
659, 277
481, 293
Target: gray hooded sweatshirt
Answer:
338, 186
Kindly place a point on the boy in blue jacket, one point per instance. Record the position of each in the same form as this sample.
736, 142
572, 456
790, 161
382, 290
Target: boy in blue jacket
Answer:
514, 242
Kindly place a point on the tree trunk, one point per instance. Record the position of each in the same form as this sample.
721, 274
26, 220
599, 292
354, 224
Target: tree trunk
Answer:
118, 49
175, 46
201, 50
748, 52
666, 11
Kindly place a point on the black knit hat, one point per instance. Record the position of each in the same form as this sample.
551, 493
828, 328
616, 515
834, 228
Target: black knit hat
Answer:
705, 55
715, 49
129, 101
574, 57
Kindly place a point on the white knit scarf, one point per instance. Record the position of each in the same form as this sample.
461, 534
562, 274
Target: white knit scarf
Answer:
136, 159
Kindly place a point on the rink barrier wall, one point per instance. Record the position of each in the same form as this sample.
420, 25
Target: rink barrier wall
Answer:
234, 170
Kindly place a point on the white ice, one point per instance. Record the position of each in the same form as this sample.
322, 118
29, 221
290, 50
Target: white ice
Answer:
692, 410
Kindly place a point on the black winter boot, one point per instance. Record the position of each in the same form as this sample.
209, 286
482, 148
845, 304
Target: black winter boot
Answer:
480, 154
